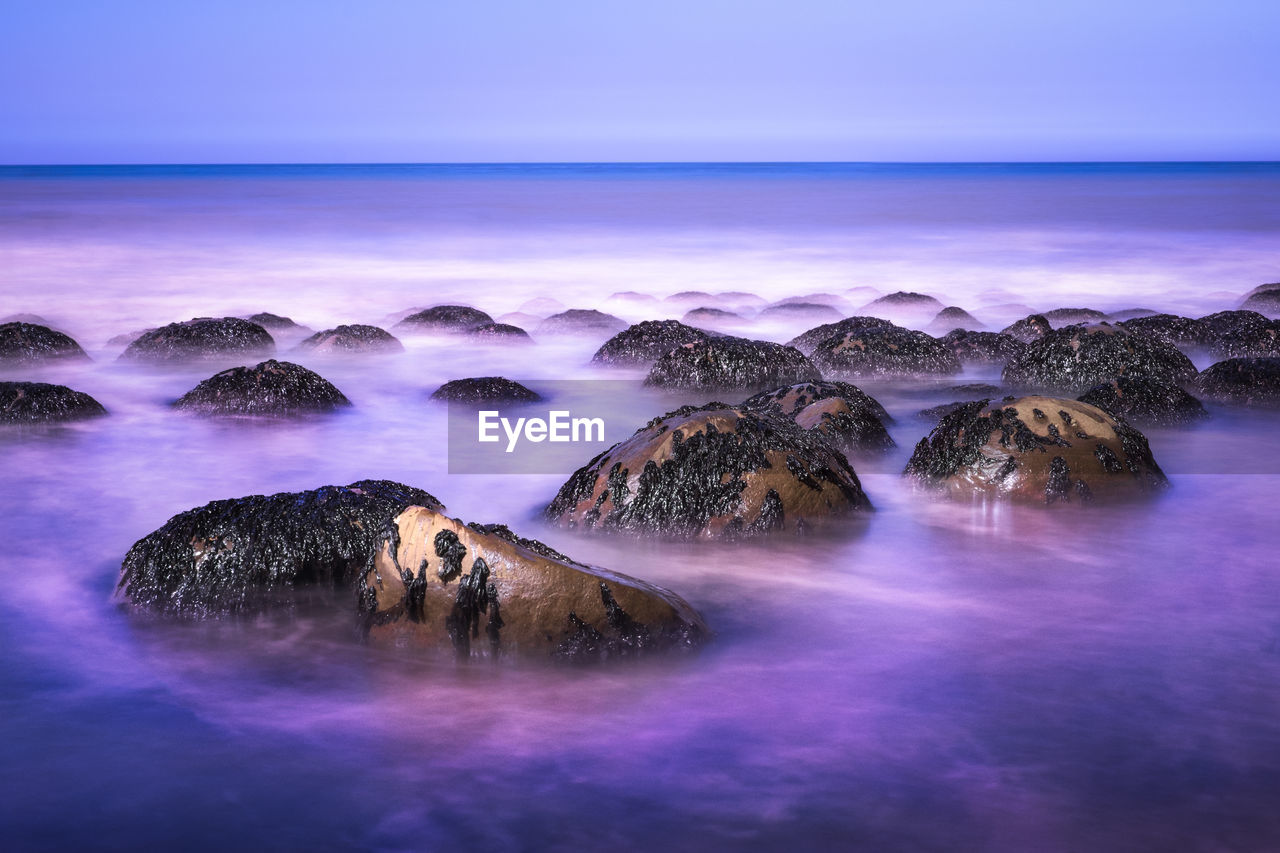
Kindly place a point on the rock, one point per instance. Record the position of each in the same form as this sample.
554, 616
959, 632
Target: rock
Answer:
1180, 331
982, 347
272, 388
351, 339
725, 363
1075, 358
1130, 314
887, 351
1243, 381
808, 311
712, 317
31, 343
842, 413
1036, 449
1143, 401
934, 414
838, 302
485, 389
275, 323
200, 339
500, 332
30, 319
415, 577
1264, 288
690, 298
952, 318
444, 318
40, 402
1240, 334
1266, 302
715, 470
1059, 317
644, 343
577, 320
808, 341
125, 338
630, 300
906, 299
1029, 329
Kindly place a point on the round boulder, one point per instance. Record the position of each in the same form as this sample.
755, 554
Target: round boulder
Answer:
644, 343
808, 341
715, 470
806, 311
886, 351
581, 321
200, 339
1243, 381
40, 402
1180, 331
485, 389
1028, 329
500, 333
31, 343
444, 318
952, 317
1075, 358
1036, 449
275, 323
272, 388
1059, 317
842, 413
355, 338
1143, 401
730, 363
982, 347
1240, 334
1265, 299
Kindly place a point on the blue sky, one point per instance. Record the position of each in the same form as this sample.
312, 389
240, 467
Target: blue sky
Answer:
572, 80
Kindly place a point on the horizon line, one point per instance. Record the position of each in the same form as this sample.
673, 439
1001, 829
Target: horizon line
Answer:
371, 163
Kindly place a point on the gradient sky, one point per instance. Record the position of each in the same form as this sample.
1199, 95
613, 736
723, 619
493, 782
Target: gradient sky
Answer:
127, 81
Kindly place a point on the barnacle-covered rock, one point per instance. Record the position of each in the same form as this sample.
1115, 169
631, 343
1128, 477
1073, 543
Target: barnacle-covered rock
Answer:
581, 321
715, 470
842, 413
904, 305
355, 338
1183, 332
201, 339
885, 351
1143, 401
1028, 329
41, 402
982, 347
1265, 299
1240, 334
32, 343
714, 364
807, 311
644, 343
1036, 449
444, 318
952, 317
500, 332
485, 389
808, 341
1075, 358
1060, 317
276, 323
272, 388
1243, 381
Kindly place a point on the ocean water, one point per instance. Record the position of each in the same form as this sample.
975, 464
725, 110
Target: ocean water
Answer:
939, 676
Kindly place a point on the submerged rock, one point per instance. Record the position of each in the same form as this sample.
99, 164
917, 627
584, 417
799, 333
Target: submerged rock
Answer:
504, 332
952, 318
1142, 401
1028, 329
1180, 331
31, 343
578, 321
1130, 314
907, 299
1075, 358
414, 576
886, 351
808, 311
982, 347
272, 388
1036, 449
1240, 334
351, 339
444, 318
730, 363
842, 413
274, 322
644, 343
715, 470
201, 338
808, 341
1059, 317
712, 318
1243, 381
485, 389
40, 402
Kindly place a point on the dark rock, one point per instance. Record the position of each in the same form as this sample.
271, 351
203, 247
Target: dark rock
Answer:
842, 413
274, 322
272, 388
887, 351
983, 347
730, 363
1075, 358
1143, 401
1264, 288
712, 317
644, 343
953, 318
1036, 449
352, 339
975, 389
814, 298
906, 299
934, 414
201, 338
1180, 331
1130, 314
691, 298
715, 470
1266, 302
798, 310
125, 338
808, 341
504, 332
1029, 329
1240, 334
30, 319
30, 343
444, 318
40, 402
485, 389
577, 320
1059, 317
1243, 381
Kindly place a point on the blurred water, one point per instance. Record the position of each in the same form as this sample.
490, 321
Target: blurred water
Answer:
941, 676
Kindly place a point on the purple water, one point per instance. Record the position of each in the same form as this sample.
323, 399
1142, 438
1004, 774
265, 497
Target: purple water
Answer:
942, 676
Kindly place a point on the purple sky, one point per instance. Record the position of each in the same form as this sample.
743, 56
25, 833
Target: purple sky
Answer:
593, 80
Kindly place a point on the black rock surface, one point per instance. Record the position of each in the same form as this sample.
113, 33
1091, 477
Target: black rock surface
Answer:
808, 341
485, 389
982, 347
41, 402
444, 318
354, 338
843, 413
1243, 381
31, 343
271, 389
644, 343
1075, 358
727, 363
1143, 401
885, 351
199, 339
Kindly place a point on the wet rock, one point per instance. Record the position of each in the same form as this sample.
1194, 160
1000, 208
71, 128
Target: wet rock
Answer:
1182, 332
842, 413
503, 332
644, 343
1130, 314
838, 302
808, 311
983, 347
40, 402
934, 414
1265, 299
1240, 334
579, 321
275, 323
906, 299
485, 389
1029, 329
1243, 381
887, 351
715, 470
712, 317
272, 389
952, 318
1142, 401
354, 338
31, 343
125, 338
199, 339
444, 318
1075, 358
808, 341
730, 363
1036, 449
1060, 317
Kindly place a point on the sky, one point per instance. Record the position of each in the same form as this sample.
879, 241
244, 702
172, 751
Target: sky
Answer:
136, 81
